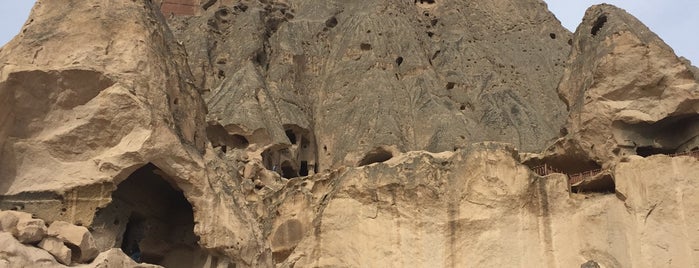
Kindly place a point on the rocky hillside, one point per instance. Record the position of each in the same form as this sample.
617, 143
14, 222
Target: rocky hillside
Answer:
298, 133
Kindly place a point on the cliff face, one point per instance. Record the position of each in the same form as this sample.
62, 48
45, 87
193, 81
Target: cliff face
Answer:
343, 133
357, 75
90, 99
627, 91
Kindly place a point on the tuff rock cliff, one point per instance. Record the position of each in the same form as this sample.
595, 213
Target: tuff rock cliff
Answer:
305, 133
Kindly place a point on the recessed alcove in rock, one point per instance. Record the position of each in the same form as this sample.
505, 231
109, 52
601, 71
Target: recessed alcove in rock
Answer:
673, 134
377, 155
150, 219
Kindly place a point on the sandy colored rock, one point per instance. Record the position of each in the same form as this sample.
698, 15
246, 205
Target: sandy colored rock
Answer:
30, 230
359, 75
115, 258
8, 221
345, 134
92, 93
14, 254
77, 237
23, 226
409, 211
56, 247
627, 92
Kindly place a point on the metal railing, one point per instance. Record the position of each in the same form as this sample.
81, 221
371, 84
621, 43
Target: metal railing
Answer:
575, 178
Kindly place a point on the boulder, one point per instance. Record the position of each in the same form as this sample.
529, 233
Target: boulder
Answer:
23, 226
8, 221
14, 254
78, 238
56, 247
30, 231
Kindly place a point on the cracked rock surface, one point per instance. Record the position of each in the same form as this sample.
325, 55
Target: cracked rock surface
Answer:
298, 133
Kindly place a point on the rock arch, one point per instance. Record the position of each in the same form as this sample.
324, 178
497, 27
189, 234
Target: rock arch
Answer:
150, 219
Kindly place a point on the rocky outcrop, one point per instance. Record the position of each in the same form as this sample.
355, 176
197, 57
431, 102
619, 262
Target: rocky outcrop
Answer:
14, 254
94, 92
78, 238
342, 133
479, 207
57, 248
399, 73
23, 226
627, 92
63, 245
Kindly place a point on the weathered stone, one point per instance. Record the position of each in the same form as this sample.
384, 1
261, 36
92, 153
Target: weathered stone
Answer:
56, 247
590, 264
14, 254
339, 71
115, 258
627, 92
91, 93
30, 231
341, 133
78, 238
23, 226
8, 221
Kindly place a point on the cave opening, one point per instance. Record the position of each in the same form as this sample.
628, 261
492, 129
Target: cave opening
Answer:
647, 151
599, 23
150, 219
133, 235
331, 22
399, 61
238, 141
602, 184
288, 171
221, 138
291, 135
377, 155
668, 136
303, 170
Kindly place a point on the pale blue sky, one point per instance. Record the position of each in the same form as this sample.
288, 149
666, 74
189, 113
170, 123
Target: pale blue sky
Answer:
676, 21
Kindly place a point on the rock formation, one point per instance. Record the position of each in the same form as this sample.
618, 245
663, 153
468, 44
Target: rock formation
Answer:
85, 110
240, 133
626, 90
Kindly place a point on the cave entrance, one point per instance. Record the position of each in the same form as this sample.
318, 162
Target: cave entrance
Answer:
602, 184
671, 135
646, 151
150, 219
377, 155
291, 135
303, 171
221, 138
134, 233
288, 170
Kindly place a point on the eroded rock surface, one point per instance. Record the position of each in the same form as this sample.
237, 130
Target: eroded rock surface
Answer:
343, 134
627, 92
398, 73
90, 93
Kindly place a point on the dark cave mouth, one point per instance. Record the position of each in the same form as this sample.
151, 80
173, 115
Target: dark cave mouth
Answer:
151, 219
